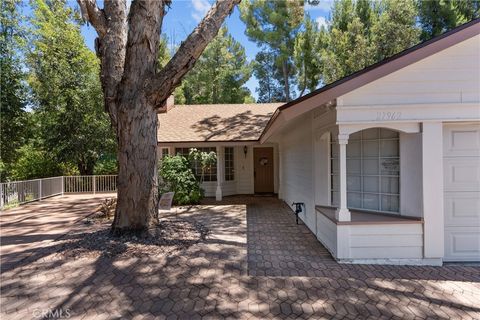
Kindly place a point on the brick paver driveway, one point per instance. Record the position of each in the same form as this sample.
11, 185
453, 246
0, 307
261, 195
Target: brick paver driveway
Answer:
256, 263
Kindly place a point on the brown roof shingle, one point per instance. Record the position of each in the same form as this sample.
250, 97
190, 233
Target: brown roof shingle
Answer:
215, 122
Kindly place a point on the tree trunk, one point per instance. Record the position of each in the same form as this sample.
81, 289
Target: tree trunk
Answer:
133, 89
137, 205
287, 84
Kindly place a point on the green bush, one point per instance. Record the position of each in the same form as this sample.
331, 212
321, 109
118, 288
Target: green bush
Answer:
176, 175
107, 164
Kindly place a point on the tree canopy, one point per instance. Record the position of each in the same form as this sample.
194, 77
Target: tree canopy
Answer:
267, 24
66, 88
219, 75
14, 117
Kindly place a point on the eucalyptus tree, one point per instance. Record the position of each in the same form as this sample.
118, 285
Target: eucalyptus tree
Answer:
134, 88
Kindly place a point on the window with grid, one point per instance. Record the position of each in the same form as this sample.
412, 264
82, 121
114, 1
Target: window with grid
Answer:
373, 170
164, 152
229, 165
210, 173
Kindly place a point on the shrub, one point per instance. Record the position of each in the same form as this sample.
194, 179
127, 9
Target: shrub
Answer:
176, 175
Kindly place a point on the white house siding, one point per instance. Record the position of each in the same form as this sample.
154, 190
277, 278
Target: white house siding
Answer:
327, 233
297, 177
386, 241
411, 174
244, 170
449, 76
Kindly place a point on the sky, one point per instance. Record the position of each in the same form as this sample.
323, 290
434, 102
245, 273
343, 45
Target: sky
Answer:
184, 15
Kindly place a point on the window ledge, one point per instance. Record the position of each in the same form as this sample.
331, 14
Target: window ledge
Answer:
359, 217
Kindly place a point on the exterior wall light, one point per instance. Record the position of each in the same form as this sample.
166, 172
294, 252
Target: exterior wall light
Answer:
245, 150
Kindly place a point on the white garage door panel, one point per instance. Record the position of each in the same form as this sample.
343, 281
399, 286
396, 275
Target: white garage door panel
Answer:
462, 192
462, 140
462, 174
462, 244
461, 209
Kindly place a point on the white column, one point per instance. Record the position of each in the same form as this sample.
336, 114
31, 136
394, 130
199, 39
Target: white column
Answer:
280, 172
432, 175
343, 214
220, 171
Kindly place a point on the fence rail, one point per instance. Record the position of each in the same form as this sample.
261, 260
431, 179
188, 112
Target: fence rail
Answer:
19, 192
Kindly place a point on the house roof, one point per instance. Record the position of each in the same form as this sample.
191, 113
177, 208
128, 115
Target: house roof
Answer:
253, 122
371, 73
214, 122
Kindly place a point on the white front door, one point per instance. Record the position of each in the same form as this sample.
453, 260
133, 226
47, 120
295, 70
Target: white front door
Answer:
461, 150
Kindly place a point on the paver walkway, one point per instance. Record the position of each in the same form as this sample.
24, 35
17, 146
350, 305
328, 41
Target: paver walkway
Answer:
256, 263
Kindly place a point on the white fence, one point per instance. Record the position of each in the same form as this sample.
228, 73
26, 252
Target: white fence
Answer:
19, 192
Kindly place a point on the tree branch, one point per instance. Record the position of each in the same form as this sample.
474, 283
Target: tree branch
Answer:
144, 27
163, 84
111, 26
94, 15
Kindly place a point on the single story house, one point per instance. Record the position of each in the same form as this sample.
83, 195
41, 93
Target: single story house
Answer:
386, 160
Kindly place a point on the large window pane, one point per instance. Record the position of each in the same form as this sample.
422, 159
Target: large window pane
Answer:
370, 184
353, 149
373, 170
390, 185
386, 133
354, 199
390, 166
210, 172
229, 164
354, 166
354, 183
390, 203
370, 201
389, 148
370, 134
370, 166
370, 148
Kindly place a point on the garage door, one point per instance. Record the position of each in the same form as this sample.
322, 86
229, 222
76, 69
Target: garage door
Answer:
462, 192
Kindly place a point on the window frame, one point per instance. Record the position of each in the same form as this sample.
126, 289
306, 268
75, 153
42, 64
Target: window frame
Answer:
211, 174
229, 164
335, 175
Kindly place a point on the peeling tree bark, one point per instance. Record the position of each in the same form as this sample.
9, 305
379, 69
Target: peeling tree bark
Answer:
127, 48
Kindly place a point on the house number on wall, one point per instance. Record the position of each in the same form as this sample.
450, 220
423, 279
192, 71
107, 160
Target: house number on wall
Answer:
382, 116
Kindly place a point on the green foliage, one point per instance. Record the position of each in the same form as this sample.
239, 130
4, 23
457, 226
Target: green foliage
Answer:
395, 30
67, 93
274, 26
176, 175
270, 80
307, 58
439, 16
219, 75
205, 159
106, 164
34, 163
365, 31
13, 93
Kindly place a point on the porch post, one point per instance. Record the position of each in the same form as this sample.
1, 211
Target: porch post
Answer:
343, 214
280, 170
220, 171
432, 171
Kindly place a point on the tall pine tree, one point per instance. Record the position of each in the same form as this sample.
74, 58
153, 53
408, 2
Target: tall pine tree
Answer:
274, 25
220, 74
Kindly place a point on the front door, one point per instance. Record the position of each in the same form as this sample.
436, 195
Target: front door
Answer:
263, 170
